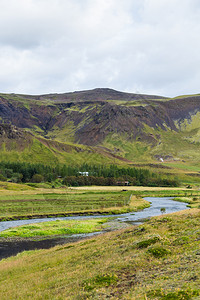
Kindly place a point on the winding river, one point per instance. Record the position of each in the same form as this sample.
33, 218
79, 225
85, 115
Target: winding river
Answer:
9, 248
154, 210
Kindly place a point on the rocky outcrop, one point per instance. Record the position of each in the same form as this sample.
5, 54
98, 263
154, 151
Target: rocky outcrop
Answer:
10, 132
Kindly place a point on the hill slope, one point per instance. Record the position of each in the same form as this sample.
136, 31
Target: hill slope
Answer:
18, 145
139, 128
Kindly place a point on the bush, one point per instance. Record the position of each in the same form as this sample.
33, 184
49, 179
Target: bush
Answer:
158, 252
99, 281
147, 242
37, 178
17, 177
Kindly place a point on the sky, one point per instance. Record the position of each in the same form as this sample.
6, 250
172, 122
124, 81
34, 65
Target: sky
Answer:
138, 46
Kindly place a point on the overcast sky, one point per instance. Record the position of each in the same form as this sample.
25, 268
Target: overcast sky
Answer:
139, 46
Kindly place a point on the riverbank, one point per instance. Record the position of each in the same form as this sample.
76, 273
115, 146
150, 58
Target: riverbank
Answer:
50, 203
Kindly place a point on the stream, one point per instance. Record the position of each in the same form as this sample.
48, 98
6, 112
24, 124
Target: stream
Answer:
9, 247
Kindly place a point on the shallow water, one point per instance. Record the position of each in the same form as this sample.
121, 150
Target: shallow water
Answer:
134, 217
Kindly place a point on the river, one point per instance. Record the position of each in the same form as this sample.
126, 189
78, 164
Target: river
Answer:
14, 246
154, 210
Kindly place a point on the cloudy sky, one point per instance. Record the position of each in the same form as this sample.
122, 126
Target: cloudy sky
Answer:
139, 46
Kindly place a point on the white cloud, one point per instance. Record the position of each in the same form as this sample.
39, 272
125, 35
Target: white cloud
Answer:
147, 46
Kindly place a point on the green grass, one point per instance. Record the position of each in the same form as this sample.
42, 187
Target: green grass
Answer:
8, 186
25, 100
111, 266
183, 166
185, 154
55, 203
187, 194
132, 150
58, 227
35, 152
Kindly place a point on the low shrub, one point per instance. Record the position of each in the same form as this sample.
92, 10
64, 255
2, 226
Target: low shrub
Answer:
146, 243
100, 281
158, 251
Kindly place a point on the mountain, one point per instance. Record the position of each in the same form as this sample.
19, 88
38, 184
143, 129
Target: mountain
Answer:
120, 127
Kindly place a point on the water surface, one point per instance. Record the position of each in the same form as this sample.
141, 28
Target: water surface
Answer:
154, 210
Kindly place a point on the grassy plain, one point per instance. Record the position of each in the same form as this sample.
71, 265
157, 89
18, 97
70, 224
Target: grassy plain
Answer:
21, 201
54, 203
157, 260
60, 202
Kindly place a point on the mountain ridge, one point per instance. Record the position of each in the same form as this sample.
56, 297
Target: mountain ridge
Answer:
97, 94
130, 127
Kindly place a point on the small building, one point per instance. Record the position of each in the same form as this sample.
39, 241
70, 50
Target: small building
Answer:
123, 182
84, 173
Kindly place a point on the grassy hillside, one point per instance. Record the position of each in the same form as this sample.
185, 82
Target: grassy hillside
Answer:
25, 147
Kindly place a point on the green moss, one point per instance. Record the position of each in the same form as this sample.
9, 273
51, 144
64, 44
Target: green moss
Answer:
178, 294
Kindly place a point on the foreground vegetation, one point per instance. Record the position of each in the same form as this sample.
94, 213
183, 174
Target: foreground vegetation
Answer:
157, 260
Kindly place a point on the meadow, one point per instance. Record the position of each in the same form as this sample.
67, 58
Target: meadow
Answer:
21, 201
41, 202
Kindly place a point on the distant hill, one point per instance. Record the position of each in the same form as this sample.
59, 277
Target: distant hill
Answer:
118, 127
98, 94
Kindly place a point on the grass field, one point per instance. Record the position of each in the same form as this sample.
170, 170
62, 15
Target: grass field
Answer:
27, 204
21, 201
59, 203
157, 260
